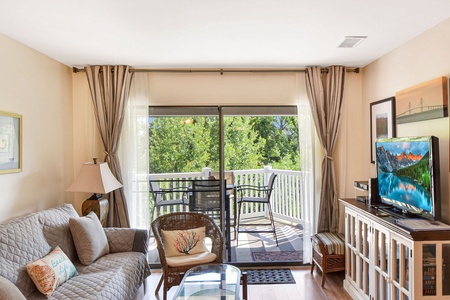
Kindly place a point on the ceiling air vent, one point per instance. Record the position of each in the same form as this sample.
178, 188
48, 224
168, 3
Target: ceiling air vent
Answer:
351, 41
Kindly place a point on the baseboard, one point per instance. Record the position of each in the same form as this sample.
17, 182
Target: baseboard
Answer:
352, 291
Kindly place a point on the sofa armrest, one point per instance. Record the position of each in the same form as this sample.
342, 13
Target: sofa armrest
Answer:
127, 239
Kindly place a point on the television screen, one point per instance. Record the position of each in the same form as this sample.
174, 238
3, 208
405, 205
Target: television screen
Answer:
408, 174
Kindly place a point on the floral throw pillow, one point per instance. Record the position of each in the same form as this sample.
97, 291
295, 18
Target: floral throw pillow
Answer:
51, 271
184, 242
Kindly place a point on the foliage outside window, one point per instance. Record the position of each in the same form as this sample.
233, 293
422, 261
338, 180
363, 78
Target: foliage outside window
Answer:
188, 144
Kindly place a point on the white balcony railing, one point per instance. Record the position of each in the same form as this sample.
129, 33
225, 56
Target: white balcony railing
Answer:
285, 201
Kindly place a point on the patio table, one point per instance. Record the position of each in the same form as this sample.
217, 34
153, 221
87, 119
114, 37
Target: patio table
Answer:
227, 209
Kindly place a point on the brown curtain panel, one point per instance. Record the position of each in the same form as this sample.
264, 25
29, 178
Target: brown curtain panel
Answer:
110, 86
325, 92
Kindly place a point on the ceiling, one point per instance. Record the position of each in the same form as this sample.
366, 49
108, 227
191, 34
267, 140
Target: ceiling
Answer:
216, 34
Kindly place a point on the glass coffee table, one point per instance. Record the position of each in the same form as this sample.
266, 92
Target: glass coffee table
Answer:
212, 281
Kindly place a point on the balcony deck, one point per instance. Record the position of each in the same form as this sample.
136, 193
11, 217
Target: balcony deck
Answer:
286, 204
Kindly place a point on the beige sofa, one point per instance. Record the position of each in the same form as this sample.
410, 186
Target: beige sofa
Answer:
119, 274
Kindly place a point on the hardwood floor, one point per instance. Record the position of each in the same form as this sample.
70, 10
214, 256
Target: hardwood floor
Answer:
307, 287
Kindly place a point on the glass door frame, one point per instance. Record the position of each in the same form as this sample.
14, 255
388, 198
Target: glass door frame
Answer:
221, 112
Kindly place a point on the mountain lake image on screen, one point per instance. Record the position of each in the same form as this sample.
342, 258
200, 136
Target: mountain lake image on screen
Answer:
408, 174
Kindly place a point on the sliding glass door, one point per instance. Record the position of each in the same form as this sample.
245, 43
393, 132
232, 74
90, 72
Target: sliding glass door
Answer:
244, 145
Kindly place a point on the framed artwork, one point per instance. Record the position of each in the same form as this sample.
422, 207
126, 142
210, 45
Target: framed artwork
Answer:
10, 142
382, 122
425, 101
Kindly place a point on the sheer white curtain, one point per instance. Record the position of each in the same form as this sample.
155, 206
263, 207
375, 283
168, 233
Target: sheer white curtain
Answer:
134, 153
308, 157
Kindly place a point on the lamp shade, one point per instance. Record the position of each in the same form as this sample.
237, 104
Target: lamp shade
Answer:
95, 178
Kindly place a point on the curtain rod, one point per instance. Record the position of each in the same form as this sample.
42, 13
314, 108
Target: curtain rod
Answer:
221, 71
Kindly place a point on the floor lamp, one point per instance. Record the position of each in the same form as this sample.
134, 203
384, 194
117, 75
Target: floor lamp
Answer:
97, 179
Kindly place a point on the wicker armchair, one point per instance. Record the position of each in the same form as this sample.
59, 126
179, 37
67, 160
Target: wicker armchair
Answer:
172, 276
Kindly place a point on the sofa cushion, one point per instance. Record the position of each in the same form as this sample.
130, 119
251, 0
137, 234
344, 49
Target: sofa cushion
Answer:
89, 238
51, 271
9, 291
29, 238
184, 242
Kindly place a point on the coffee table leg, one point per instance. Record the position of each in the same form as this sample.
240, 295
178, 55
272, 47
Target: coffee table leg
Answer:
244, 285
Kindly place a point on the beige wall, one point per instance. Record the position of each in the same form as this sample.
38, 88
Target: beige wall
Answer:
226, 89
424, 58
39, 89
348, 152
86, 139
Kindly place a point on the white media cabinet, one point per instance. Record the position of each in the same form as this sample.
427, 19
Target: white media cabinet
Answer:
384, 261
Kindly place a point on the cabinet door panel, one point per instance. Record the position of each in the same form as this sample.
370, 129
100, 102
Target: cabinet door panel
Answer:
363, 246
445, 269
380, 259
429, 270
350, 245
400, 271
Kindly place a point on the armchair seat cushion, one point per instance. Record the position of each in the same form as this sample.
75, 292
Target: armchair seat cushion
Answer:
193, 259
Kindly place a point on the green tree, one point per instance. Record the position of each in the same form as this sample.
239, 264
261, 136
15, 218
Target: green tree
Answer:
281, 149
244, 149
178, 145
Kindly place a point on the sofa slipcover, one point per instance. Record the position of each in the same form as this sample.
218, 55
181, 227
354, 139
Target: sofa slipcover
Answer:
117, 275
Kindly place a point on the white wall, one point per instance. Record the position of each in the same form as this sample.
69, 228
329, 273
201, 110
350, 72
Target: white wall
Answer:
39, 89
424, 58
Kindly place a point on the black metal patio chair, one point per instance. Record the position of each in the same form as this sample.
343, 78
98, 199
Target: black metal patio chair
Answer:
263, 194
167, 196
205, 198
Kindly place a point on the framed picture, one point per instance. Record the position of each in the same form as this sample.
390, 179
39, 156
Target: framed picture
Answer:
425, 101
382, 122
10, 142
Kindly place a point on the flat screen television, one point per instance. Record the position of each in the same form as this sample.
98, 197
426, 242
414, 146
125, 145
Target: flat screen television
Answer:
408, 174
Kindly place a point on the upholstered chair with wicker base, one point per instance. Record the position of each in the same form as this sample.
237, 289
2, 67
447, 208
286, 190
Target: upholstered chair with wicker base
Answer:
179, 247
328, 253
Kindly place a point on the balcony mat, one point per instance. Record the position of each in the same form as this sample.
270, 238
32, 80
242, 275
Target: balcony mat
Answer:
278, 256
269, 276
